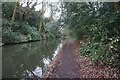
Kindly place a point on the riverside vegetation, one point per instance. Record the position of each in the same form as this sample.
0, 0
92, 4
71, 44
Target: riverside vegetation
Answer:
99, 24
95, 24
25, 26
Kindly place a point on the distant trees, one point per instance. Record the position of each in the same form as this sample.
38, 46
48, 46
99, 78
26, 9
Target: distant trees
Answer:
23, 24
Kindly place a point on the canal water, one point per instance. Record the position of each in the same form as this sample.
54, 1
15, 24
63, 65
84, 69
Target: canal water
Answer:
28, 60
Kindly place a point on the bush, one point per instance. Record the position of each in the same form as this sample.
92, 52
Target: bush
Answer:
53, 34
101, 23
10, 37
26, 29
18, 32
100, 52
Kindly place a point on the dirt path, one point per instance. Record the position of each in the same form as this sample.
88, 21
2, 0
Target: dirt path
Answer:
68, 67
69, 64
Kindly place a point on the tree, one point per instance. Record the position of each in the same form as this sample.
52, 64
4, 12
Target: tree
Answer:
100, 22
41, 17
13, 16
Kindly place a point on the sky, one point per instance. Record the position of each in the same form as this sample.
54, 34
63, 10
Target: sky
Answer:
38, 7
47, 13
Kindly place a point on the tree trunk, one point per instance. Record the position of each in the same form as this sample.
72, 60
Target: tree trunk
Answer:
117, 6
13, 16
41, 18
51, 16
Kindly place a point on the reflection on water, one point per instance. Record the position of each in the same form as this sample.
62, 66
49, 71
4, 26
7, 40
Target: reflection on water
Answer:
57, 50
28, 60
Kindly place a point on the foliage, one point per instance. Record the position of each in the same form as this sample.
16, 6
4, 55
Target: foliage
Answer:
53, 34
32, 16
52, 29
18, 32
100, 22
10, 37
25, 27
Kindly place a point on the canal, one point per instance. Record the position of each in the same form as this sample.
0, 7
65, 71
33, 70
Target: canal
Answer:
28, 60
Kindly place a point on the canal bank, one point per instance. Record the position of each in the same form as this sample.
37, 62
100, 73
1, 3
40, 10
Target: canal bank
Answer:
69, 64
51, 59
28, 60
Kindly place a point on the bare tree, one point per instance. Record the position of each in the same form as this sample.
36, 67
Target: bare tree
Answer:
27, 9
35, 4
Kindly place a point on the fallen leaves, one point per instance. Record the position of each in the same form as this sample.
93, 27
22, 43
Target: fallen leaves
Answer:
87, 68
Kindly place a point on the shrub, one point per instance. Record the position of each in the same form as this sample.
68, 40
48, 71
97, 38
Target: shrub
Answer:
10, 37
101, 52
16, 32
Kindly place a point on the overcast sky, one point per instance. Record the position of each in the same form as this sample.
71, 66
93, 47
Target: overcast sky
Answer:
38, 7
